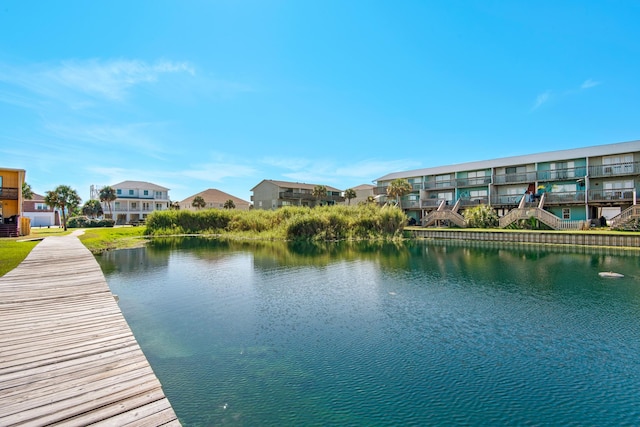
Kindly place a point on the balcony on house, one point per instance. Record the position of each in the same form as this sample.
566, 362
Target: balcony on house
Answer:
438, 184
8, 193
473, 201
296, 195
380, 191
561, 174
618, 194
514, 178
506, 199
473, 182
564, 198
617, 169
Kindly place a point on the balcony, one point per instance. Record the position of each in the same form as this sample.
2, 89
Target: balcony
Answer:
514, 178
474, 201
473, 182
295, 195
506, 199
377, 191
431, 203
8, 193
431, 185
618, 169
617, 195
564, 198
562, 174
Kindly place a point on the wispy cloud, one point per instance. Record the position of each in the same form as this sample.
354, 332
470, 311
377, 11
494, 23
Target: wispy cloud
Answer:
111, 79
541, 99
589, 83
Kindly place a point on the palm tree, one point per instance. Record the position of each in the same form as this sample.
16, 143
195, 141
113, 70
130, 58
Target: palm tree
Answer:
174, 206
229, 204
349, 194
108, 194
398, 188
318, 192
27, 193
198, 202
64, 198
92, 208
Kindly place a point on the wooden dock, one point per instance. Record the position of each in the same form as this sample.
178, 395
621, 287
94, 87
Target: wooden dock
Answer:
67, 355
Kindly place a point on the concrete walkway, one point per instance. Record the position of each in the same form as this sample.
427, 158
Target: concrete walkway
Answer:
67, 355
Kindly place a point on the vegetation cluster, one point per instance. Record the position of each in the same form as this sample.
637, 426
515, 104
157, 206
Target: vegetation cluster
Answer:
86, 222
289, 223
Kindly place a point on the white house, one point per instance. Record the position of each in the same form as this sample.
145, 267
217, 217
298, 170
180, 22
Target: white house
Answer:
135, 200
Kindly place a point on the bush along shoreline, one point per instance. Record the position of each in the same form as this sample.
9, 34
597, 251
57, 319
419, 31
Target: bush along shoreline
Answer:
286, 223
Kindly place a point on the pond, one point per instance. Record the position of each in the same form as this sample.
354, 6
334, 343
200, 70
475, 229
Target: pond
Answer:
417, 333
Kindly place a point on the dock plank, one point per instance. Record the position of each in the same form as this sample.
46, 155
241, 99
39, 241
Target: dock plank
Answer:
67, 355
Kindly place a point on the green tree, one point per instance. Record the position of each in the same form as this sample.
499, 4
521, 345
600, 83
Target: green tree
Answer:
398, 188
198, 202
319, 191
229, 204
108, 194
175, 206
349, 194
92, 208
64, 198
27, 193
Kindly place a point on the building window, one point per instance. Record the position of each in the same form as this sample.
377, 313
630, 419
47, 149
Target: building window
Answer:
134, 205
146, 192
158, 206
117, 205
131, 192
566, 213
118, 191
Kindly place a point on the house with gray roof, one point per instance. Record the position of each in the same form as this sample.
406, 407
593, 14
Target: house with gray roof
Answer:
272, 194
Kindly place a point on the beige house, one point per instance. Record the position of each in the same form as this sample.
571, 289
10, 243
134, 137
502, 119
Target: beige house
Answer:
270, 194
214, 199
363, 192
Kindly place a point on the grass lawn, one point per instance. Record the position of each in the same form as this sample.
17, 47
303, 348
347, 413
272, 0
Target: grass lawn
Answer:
14, 250
103, 239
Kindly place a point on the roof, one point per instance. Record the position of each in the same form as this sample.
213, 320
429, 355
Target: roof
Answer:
139, 184
301, 185
36, 198
216, 196
575, 153
364, 187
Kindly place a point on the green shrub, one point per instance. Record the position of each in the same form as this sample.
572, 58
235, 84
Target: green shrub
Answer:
481, 216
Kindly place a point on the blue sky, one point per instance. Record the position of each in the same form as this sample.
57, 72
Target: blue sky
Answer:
223, 94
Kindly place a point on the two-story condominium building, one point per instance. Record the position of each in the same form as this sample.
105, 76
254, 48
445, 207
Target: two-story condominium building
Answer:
270, 194
135, 200
11, 181
574, 185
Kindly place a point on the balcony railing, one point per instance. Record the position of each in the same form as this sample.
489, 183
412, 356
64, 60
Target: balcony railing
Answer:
562, 174
617, 169
472, 201
8, 193
429, 185
564, 197
432, 203
506, 199
622, 194
512, 178
297, 195
472, 182
380, 191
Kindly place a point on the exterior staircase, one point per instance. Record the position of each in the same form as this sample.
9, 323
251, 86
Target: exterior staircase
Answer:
443, 214
537, 212
625, 216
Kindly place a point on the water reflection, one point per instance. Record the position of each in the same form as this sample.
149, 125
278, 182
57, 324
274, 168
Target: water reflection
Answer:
272, 333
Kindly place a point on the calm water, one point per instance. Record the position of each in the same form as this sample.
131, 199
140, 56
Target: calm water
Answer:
385, 335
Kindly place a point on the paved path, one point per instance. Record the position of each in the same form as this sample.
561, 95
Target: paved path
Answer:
67, 355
